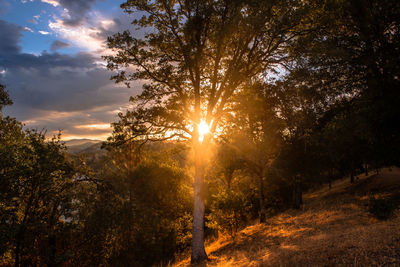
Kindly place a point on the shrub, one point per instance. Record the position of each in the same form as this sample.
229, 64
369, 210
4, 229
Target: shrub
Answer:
229, 211
383, 208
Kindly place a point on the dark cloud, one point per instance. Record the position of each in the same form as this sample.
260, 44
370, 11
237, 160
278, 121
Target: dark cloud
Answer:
58, 91
56, 45
63, 89
77, 10
118, 25
10, 36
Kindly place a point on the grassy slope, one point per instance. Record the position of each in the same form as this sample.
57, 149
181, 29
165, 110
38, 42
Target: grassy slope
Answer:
334, 228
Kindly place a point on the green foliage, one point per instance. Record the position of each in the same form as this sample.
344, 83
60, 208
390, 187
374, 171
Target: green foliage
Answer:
39, 186
141, 215
229, 211
4, 97
38, 183
352, 61
230, 193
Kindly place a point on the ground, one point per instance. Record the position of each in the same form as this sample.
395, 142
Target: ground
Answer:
334, 228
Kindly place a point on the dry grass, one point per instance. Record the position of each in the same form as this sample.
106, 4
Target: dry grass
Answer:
334, 228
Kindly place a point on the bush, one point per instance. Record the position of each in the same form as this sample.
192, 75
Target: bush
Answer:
383, 208
229, 211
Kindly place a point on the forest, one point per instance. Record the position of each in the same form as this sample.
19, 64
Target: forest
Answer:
245, 105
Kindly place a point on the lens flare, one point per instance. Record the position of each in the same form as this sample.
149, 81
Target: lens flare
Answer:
204, 129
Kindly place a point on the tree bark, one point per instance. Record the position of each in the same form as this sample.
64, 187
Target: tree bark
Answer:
198, 250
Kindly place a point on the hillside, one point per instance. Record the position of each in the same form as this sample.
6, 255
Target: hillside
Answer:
76, 146
334, 228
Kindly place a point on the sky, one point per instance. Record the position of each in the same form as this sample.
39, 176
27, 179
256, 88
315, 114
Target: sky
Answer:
51, 65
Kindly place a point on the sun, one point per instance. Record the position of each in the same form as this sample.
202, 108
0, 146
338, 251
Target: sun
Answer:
204, 129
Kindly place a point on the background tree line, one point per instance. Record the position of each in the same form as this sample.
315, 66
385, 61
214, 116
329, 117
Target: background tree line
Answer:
296, 93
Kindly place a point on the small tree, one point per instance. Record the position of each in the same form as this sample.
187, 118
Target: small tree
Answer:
256, 133
4, 97
38, 199
194, 56
36, 196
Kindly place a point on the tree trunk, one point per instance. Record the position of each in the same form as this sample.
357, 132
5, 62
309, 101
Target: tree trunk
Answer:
21, 231
297, 195
17, 252
352, 173
263, 216
52, 261
52, 241
198, 251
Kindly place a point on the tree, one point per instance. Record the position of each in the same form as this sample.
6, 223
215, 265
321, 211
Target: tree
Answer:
4, 97
227, 198
38, 182
256, 132
194, 56
353, 57
140, 215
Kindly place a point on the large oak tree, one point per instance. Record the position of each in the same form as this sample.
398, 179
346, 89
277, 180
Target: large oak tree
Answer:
194, 56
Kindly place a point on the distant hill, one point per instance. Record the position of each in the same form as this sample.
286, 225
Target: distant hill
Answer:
77, 146
93, 148
334, 228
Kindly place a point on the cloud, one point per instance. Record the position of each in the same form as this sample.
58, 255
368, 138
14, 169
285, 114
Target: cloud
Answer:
85, 28
56, 45
44, 32
91, 35
93, 123
75, 11
51, 2
61, 83
10, 35
28, 29
83, 36
101, 126
59, 91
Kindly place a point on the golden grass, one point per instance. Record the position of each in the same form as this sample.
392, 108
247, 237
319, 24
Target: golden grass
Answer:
334, 228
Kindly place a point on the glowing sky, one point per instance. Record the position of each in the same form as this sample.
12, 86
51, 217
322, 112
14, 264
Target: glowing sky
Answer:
50, 62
